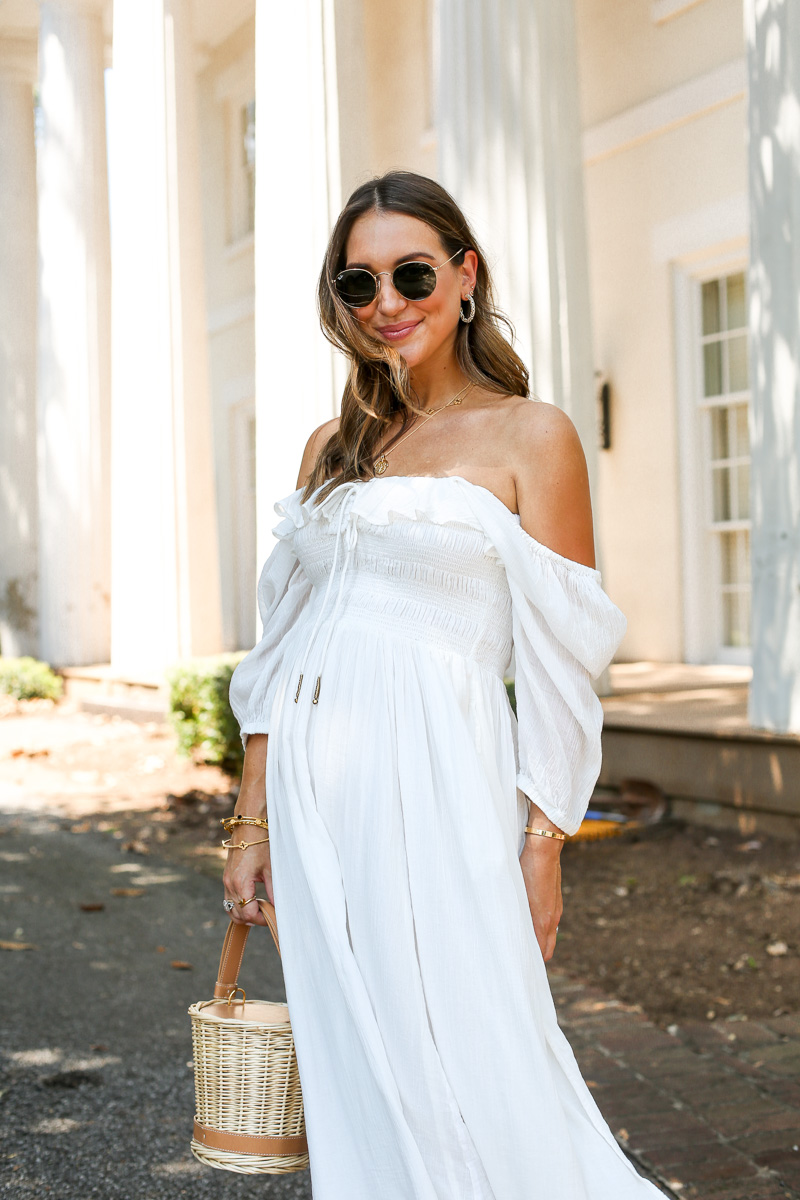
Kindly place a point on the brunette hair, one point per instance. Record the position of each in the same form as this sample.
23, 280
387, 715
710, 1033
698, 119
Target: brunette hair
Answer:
378, 386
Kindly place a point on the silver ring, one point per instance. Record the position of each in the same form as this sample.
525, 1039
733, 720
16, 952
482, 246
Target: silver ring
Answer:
229, 905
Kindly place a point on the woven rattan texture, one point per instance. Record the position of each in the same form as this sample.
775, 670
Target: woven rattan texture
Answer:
246, 1081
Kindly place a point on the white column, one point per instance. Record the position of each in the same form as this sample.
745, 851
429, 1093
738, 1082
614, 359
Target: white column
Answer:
166, 557
74, 337
509, 151
773, 51
297, 200
18, 492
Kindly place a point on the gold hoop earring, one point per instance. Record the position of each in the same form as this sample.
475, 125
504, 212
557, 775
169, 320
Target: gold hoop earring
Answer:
471, 316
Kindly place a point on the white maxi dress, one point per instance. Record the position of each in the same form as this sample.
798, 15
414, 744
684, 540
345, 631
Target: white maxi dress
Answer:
430, 1057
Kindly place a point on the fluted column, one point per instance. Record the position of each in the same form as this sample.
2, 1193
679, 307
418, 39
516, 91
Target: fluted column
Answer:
298, 195
510, 152
18, 491
773, 53
509, 146
74, 337
165, 577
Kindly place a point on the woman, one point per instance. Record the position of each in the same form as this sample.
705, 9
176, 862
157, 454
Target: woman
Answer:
441, 519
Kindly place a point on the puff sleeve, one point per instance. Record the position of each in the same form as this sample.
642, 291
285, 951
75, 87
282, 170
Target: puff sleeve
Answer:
283, 592
565, 632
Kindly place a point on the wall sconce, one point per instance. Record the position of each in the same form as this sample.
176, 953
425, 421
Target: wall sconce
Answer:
603, 411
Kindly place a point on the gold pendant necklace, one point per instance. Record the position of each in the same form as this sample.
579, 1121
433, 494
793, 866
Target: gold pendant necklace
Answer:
382, 463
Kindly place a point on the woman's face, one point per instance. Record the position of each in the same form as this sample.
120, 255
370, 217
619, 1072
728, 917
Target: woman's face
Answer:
421, 330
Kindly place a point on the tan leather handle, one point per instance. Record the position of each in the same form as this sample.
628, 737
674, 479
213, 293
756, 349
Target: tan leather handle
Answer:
233, 950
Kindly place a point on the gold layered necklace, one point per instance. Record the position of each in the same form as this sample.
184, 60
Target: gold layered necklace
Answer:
382, 463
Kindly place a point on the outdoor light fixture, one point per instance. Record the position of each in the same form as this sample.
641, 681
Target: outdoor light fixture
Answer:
603, 411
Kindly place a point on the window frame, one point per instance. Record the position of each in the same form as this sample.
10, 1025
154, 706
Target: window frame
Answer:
234, 89
701, 541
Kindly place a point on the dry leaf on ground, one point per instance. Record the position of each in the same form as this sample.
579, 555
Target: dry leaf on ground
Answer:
181, 966
128, 891
92, 907
18, 946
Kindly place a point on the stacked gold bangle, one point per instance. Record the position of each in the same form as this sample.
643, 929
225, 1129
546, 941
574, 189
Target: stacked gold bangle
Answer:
230, 823
562, 837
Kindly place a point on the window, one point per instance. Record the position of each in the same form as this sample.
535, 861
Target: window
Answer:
240, 166
243, 483
725, 405
248, 150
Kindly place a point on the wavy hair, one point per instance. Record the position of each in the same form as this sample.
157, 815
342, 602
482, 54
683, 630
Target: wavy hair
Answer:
378, 386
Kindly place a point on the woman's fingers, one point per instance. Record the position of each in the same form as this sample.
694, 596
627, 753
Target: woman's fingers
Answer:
241, 880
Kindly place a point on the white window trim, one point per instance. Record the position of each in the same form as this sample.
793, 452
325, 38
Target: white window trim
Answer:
241, 408
662, 11
233, 88
702, 631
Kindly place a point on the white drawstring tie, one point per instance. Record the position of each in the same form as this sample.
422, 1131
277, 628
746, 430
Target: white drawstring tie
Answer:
350, 490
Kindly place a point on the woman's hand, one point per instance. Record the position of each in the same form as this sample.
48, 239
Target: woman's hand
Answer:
245, 869
541, 869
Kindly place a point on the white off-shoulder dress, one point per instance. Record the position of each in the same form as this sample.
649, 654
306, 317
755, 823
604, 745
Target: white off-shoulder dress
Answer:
431, 1061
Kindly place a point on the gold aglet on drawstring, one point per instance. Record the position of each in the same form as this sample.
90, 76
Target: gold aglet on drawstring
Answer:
299, 685
316, 691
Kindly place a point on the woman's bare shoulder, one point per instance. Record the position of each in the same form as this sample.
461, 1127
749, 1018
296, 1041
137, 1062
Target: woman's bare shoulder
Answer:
314, 444
552, 481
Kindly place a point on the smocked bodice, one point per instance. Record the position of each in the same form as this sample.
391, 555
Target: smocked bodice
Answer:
439, 584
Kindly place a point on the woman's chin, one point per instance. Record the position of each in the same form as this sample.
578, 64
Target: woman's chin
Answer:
415, 356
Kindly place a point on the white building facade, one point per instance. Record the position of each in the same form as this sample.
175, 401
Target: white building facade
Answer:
627, 164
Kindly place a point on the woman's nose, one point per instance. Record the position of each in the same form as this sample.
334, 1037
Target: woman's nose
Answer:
390, 301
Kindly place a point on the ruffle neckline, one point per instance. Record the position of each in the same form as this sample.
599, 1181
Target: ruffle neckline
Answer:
440, 499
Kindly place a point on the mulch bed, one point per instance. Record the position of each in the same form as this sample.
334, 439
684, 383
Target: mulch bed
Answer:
684, 922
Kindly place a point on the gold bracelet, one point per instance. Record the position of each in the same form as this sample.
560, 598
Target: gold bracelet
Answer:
231, 845
230, 822
562, 837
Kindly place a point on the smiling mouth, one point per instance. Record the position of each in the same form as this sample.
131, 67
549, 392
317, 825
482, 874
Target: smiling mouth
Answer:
395, 332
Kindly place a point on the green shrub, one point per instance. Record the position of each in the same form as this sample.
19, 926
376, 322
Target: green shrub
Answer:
29, 679
200, 712
512, 695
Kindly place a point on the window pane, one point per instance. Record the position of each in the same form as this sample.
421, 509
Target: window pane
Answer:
736, 296
742, 430
720, 433
711, 307
728, 557
249, 134
735, 557
736, 618
737, 364
712, 369
742, 492
720, 477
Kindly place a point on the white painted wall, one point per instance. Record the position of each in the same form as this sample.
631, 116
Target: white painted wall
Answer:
664, 133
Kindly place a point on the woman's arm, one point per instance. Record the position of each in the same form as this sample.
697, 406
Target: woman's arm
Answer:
554, 504
247, 868
552, 482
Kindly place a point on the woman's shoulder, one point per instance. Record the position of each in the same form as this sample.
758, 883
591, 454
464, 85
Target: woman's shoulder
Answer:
316, 441
552, 482
540, 426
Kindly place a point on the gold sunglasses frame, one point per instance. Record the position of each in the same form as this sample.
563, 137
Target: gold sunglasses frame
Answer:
376, 276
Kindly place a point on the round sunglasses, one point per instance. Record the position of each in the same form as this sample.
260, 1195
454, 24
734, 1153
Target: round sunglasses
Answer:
416, 280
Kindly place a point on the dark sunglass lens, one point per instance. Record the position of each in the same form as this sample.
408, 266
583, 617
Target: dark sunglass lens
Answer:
356, 287
414, 280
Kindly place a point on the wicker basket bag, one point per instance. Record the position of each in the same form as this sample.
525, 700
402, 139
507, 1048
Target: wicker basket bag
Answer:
249, 1106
